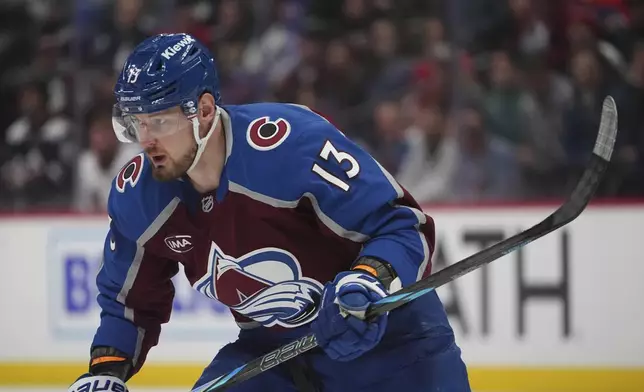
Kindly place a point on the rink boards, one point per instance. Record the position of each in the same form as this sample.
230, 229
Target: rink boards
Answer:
562, 314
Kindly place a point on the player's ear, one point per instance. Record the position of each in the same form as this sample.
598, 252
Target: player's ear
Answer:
207, 108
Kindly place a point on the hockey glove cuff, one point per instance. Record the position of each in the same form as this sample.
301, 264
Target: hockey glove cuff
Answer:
340, 328
88, 382
108, 361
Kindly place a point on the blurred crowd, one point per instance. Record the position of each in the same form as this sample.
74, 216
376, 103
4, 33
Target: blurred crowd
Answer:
461, 100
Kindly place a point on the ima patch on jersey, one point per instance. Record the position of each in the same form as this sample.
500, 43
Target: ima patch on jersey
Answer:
179, 243
265, 285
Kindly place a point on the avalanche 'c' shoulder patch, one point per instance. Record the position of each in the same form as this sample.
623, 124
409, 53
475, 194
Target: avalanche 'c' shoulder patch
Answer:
130, 173
264, 134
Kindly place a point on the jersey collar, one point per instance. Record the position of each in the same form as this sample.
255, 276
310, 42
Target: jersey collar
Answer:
227, 127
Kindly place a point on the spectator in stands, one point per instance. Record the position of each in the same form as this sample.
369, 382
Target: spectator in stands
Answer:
542, 157
431, 159
503, 97
389, 146
539, 69
465, 81
532, 32
487, 169
343, 79
237, 85
580, 35
187, 18
388, 70
429, 86
39, 154
125, 27
98, 164
231, 24
629, 96
273, 54
435, 43
306, 75
581, 119
354, 21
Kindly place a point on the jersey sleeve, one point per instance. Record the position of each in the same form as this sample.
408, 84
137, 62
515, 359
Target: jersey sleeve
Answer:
358, 199
135, 291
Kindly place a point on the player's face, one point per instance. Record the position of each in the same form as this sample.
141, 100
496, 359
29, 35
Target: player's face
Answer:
170, 153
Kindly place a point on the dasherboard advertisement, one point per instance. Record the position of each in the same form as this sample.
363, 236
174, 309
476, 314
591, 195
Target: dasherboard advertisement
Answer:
568, 300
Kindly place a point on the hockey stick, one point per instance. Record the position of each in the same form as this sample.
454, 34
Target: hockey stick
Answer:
566, 213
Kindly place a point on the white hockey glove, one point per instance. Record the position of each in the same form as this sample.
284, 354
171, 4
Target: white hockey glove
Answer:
89, 383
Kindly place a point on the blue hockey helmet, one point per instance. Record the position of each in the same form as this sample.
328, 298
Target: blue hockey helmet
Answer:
162, 72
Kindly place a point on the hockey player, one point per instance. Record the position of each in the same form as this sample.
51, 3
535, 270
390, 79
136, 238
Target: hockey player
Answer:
272, 211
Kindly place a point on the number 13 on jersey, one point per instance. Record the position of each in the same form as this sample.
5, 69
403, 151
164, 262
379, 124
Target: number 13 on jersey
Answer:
330, 152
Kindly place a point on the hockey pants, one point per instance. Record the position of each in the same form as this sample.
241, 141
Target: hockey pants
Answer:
444, 372
428, 363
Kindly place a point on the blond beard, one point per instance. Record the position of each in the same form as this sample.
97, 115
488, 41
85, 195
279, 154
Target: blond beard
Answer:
177, 170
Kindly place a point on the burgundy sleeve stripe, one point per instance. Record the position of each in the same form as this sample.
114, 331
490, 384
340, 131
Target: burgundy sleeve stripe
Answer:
136, 265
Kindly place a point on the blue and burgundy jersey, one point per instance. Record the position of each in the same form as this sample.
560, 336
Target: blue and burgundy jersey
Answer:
298, 202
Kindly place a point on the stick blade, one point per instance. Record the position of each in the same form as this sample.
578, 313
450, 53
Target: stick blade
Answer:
607, 130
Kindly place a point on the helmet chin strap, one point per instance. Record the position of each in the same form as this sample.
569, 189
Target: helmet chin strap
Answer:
201, 141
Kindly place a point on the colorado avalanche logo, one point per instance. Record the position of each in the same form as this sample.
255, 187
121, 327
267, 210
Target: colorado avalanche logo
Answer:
263, 134
265, 285
130, 173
